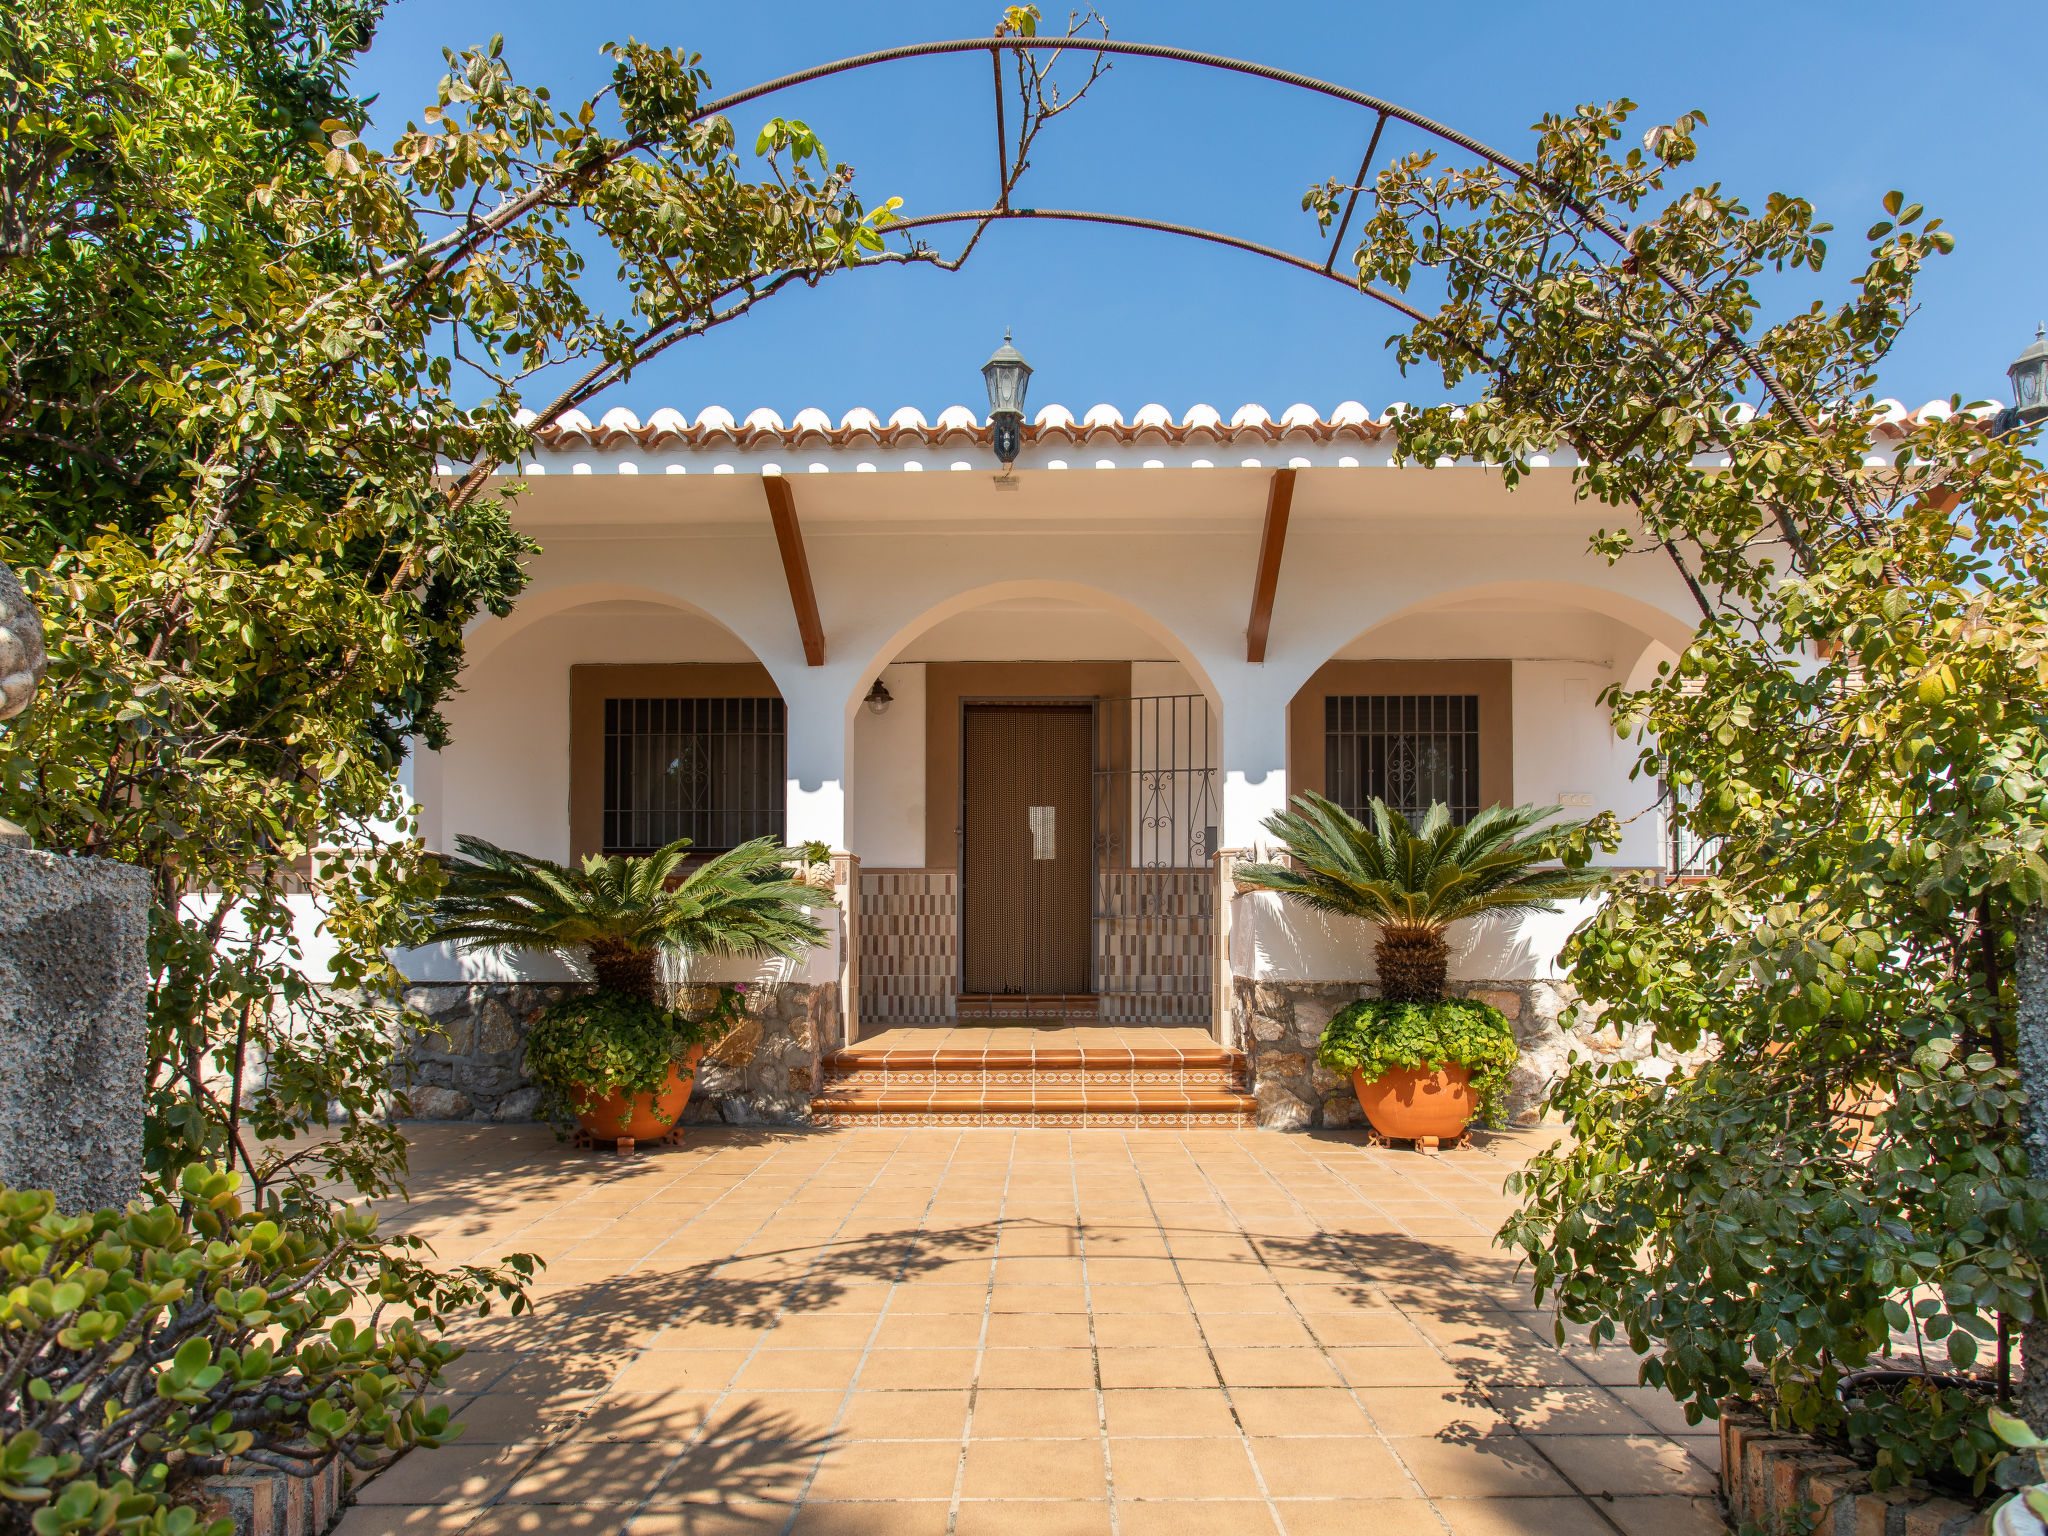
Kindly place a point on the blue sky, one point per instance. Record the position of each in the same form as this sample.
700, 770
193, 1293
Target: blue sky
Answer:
1834, 101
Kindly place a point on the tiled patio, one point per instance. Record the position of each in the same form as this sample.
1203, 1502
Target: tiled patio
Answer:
951, 1333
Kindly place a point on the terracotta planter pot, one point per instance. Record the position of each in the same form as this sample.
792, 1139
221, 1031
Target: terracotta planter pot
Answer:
612, 1116
1409, 1102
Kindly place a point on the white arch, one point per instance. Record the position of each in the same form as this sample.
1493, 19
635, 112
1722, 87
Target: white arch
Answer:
1003, 591
487, 634
1648, 618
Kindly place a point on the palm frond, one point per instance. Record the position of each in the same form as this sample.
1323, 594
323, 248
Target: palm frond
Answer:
741, 902
1426, 876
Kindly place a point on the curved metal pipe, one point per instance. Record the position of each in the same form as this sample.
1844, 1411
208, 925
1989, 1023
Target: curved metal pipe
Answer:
1142, 50
1188, 231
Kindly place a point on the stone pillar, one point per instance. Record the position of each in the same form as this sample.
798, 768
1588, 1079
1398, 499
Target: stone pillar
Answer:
74, 990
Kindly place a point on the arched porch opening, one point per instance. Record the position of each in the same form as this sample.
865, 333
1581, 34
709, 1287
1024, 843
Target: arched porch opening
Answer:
609, 718
1036, 812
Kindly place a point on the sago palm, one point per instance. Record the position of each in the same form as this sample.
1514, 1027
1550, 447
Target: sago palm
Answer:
623, 911
1416, 881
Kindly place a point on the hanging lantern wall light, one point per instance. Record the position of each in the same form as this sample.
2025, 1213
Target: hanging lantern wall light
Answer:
2029, 375
878, 700
1008, 377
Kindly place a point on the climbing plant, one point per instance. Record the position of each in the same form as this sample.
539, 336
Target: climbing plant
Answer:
1856, 731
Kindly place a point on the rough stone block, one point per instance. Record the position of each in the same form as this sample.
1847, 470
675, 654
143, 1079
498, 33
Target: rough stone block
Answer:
1509, 1003
431, 1103
74, 983
1280, 1109
520, 1104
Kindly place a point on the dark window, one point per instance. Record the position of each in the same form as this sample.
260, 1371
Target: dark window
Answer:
710, 770
1408, 749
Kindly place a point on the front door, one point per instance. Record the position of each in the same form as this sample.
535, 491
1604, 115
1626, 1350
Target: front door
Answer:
1026, 848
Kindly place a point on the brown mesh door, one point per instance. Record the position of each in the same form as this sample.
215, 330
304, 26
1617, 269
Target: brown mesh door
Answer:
1026, 847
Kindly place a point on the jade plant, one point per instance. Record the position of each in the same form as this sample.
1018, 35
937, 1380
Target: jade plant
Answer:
1376, 1036
143, 1350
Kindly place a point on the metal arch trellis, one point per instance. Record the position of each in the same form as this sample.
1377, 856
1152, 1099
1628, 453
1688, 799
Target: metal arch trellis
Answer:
995, 47
1593, 218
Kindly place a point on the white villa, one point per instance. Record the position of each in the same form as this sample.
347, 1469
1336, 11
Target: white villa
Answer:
1036, 716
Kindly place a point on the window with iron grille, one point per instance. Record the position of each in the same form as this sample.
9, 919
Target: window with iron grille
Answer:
1408, 749
710, 770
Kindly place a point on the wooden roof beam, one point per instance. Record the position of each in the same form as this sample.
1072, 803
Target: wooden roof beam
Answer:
1279, 498
789, 538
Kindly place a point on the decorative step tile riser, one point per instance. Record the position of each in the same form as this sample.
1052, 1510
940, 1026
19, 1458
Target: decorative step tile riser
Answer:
879, 1078
1147, 1119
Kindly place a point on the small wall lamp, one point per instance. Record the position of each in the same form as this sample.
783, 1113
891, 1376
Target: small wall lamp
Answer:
878, 700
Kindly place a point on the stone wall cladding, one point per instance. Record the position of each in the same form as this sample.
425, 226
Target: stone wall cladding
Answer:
74, 989
471, 1064
1280, 1022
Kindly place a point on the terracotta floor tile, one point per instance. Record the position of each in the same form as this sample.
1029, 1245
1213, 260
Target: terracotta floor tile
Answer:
1070, 1368
542, 1520
929, 1415
739, 1518
1022, 1330
1146, 1329
929, 1330
1520, 1517
1567, 1411
1156, 1368
1490, 1468
869, 1518
1203, 1411
1038, 1298
668, 1370
1360, 1517
915, 1369
1024, 1469
1317, 1411
412, 1520
793, 1370
1182, 1469
738, 1472
1353, 1467
1149, 1300
1025, 1517
1034, 1415
1275, 1368
612, 1472
452, 1475
1668, 1516
645, 1416
824, 1330
1394, 1366
897, 1469
1627, 1464
781, 1416
1221, 1517
1459, 1412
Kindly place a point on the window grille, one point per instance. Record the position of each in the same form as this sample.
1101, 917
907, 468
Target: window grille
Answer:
710, 770
1409, 750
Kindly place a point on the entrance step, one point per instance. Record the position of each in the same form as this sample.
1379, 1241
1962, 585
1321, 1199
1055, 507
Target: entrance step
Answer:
887, 1083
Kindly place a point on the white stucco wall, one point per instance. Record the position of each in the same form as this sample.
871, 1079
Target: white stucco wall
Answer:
885, 824
1275, 940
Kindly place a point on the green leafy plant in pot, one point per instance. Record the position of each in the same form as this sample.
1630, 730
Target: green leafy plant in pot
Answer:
1423, 1065
619, 1059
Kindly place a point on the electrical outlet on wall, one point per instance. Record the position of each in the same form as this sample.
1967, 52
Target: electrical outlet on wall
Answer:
1576, 798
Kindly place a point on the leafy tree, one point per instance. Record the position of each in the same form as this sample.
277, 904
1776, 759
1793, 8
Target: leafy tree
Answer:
1857, 728
620, 913
238, 471
1415, 881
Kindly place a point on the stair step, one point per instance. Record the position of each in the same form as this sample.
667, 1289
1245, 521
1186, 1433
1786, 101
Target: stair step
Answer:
966, 1105
1090, 1068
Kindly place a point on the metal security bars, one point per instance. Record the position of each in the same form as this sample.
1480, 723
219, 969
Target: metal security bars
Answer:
710, 770
1408, 749
1156, 817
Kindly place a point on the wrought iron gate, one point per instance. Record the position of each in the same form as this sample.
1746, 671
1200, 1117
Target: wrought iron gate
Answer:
1156, 817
